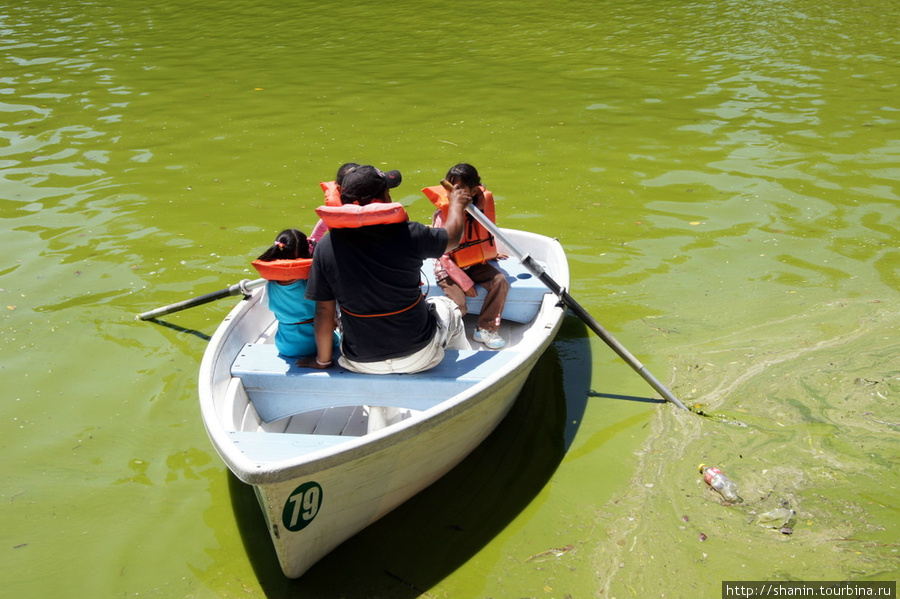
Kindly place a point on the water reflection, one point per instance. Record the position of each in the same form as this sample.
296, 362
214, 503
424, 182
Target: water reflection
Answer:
180, 329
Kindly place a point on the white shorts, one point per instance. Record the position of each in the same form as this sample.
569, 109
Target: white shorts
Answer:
450, 333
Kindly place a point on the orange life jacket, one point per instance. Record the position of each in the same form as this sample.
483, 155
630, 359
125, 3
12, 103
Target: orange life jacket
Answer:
477, 244
283, 270
353, 216
332, 193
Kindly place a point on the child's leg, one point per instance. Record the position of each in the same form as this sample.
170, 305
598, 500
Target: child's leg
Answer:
454, 292
497, 288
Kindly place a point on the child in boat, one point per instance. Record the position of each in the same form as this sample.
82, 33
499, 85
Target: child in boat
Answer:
285, 265
457, 272
332, 191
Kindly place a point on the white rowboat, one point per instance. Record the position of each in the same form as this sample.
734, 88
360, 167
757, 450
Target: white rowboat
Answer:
329, 452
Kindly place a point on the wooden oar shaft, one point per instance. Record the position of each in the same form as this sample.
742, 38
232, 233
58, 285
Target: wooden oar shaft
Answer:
242, 288
538, 271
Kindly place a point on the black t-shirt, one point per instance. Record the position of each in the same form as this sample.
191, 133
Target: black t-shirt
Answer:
373, 272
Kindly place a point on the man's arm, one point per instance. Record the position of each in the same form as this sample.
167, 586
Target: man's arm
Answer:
456, 216
323, 330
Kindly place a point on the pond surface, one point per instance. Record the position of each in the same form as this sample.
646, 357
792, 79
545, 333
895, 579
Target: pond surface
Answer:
723, 176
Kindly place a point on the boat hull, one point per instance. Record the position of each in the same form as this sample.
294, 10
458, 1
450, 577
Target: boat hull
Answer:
315, 500
308, 516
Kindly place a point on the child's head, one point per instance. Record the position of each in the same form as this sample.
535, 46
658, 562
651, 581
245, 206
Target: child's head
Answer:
289, 245
342, 172
464, 174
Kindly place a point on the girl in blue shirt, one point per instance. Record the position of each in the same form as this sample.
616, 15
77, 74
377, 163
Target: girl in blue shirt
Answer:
285, 265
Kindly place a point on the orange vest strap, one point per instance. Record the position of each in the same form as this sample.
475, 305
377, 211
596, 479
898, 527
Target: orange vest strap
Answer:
332, 193
353, 216
410, 307
283, 270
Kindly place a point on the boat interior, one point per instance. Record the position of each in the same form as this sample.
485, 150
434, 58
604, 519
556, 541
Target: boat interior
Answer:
269, 393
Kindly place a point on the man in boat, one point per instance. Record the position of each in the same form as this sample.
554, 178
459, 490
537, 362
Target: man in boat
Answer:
369, 265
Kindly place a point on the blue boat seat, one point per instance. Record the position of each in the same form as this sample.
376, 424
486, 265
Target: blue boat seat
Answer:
526, 292
279, 388
273, 447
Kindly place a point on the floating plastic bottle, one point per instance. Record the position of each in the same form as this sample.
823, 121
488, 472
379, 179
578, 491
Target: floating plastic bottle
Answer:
780, 518
718, 481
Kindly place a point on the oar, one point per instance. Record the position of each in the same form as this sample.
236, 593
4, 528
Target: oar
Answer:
244, 287
538, 271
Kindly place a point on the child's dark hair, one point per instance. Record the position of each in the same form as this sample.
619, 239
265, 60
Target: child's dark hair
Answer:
289, 245
342, 172
464, 174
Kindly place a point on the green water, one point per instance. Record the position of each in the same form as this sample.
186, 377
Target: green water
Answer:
722, 174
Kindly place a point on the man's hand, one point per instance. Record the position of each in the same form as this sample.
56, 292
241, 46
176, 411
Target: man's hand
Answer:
460, 197
313, 362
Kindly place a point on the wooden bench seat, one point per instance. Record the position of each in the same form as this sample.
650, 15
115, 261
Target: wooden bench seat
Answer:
279, 388
526, 292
